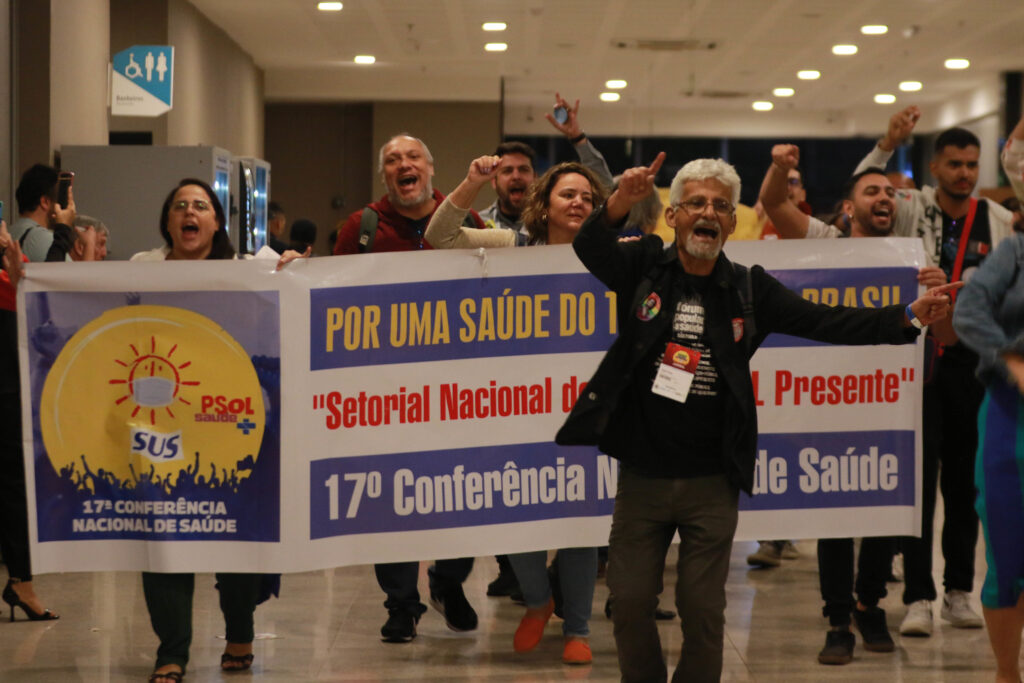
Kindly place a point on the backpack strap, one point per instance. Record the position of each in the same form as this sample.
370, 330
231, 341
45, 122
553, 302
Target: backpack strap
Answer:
21, 240
367, 230
745, 287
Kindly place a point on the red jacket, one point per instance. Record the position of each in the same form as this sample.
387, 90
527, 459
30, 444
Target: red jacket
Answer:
395, 232
7, 293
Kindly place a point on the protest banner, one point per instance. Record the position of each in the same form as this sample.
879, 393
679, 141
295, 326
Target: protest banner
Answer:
207, 416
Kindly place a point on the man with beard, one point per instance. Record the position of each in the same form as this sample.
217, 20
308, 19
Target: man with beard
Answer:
673, 401
871, 206
510, 185
958, 232
407, 167
512, 180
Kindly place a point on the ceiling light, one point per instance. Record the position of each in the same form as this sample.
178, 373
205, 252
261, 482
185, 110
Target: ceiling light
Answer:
496, 47
761, 105
884, 98
495, 26
615, 84
808, 75
364, 59
874, 29
957, 64
783, 92
910, 86
329, 6
844, 49
610, 97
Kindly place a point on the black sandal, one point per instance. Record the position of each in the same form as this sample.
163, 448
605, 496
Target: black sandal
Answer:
244, 662
175, 676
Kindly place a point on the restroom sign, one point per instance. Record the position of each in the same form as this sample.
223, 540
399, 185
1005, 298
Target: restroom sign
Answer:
142, 79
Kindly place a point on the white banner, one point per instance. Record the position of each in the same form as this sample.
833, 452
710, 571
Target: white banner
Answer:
220, 416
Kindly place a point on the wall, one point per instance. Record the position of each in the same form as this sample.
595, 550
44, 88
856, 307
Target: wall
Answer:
7, 138
319, 152
32, 85
218, 89
79, 54
455, 132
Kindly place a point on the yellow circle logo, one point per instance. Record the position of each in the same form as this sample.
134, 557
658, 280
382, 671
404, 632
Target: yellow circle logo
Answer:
152, 392
681, 358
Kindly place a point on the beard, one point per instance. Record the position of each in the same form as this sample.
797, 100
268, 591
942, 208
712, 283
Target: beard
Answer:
412, 202
865, 219
703, 250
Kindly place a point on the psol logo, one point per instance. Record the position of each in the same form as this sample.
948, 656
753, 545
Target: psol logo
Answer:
223, 408
156, 446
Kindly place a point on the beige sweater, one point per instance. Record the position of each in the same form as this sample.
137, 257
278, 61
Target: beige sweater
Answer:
445, 231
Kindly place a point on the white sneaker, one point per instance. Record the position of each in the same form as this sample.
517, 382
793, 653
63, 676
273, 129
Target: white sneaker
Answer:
897, 567
918, 621
956, 609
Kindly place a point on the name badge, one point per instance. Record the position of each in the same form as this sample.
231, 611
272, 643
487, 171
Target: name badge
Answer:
675, 375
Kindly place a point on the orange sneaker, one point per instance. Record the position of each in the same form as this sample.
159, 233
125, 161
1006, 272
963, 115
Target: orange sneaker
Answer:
531, 628
577, 651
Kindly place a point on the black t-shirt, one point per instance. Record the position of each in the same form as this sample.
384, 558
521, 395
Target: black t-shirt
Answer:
687, 436
979, 245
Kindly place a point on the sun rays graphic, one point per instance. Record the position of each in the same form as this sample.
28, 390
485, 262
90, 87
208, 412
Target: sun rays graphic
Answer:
154, 381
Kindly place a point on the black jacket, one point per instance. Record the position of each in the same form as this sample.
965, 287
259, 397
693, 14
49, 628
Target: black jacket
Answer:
635, 269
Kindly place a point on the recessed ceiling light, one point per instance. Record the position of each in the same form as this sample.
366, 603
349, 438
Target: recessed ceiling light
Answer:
615, 84
610, 97
495, 26
496, 47
844, 49
329, 6
761, 105
874, 29
957, 63
364, 59
783, 92
884, 98
910, 86
808, 75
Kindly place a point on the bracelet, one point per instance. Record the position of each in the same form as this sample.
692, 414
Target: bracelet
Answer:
578, 139
914, 320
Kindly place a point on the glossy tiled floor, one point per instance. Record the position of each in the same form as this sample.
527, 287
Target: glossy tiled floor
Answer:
325, 628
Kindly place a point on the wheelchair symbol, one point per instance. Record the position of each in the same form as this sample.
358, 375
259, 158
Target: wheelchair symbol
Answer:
133, 70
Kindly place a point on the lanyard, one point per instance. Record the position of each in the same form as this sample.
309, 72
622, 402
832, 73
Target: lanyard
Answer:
965, 237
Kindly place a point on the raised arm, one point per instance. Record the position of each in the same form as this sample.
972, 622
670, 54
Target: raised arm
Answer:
445, 230
901, 125
790, 221
573, 131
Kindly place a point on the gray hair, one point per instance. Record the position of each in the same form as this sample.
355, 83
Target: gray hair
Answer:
380, 153
83, 221
705, 169
643, 215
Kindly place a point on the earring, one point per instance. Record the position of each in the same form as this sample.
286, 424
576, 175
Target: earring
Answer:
544, 216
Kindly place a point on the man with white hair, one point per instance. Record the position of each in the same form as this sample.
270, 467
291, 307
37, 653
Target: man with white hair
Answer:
673, 401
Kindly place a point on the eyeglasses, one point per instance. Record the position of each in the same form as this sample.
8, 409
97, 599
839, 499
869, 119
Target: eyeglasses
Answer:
200, 205
697, 205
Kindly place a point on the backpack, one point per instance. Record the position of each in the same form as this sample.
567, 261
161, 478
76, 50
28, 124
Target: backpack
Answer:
368, 228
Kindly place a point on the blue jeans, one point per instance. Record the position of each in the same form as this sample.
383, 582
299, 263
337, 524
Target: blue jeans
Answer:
577, 571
